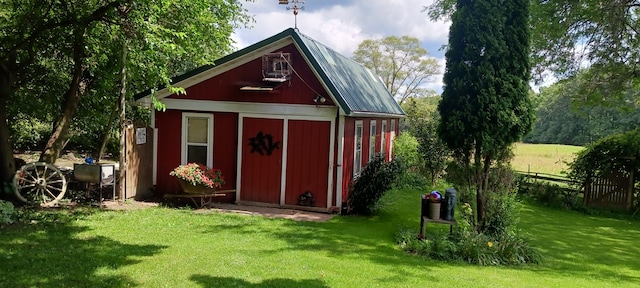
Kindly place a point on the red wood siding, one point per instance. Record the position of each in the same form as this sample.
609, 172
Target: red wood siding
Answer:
308, 160
226, 86
349, 141
261, 174
225, 150
169, 125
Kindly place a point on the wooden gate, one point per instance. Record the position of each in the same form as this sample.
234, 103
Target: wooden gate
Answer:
139, 165
614, 191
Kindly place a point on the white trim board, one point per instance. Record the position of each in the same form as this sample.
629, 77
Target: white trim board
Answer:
262, 109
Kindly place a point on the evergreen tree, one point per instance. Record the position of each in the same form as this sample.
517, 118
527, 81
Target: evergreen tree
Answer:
485, 105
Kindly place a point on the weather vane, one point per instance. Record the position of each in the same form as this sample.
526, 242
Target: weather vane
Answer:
295, 9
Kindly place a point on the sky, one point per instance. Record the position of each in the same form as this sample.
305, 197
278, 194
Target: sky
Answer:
342, 25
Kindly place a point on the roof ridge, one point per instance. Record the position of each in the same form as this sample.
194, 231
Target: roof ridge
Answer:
328, 48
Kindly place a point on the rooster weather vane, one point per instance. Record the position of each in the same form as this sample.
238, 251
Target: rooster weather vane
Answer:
295, 9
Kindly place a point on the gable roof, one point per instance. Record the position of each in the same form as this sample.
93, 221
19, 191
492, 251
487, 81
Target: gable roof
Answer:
355, 88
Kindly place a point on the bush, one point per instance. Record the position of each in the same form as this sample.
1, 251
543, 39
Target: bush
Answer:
7, 212
405, 146
470, 247
619, 153
375, 179
549, 194
408, 179
502, 213
28, 134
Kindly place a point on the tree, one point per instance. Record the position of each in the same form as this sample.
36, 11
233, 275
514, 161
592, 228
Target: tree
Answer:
600, 34
422, 122
404, 66
559, 118
485, 105
568, 36
77, 39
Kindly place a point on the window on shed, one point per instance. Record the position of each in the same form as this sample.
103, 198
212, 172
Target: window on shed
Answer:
357, 149
197, 138
383, 138
372, 140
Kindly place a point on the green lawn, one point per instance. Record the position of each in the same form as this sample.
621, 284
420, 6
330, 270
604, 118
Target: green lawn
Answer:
161, 247
543, 158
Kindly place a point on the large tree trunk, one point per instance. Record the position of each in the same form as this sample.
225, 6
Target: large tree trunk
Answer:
72, 98
7, 165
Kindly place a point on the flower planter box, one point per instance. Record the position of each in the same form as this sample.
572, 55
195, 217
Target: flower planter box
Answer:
189, 188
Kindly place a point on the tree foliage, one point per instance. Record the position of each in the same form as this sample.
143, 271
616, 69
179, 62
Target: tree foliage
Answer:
568, 36
422, 122
55, 54
562, 118
601, 34
485, 105
402, 63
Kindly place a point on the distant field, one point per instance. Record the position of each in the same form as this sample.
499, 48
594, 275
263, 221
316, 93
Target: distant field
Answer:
543, 158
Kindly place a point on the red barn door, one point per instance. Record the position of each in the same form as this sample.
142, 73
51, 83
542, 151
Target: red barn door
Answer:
261, 169
308, 160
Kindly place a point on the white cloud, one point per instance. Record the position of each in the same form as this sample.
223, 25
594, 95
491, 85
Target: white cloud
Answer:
342, 25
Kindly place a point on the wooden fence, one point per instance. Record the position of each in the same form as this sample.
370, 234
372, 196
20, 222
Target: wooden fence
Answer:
613, 191
556, 179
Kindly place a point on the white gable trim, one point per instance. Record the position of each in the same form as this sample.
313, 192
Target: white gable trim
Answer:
219, 69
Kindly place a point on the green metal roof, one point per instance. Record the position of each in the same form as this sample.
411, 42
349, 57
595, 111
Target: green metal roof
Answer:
356, 88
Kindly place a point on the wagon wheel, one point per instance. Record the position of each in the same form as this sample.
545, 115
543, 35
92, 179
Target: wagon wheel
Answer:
40, 182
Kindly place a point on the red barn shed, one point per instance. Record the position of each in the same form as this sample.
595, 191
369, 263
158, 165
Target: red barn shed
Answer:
280, 118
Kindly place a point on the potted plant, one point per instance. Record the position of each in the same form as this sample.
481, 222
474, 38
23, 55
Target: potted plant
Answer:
196, 178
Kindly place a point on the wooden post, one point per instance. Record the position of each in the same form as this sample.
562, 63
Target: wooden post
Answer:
123, 125
629, 204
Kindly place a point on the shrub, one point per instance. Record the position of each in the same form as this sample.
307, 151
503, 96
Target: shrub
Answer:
7, 212
28, 134
375, 179
408, 179
405, 146
465, 245
433, 152
502, 213
616, 153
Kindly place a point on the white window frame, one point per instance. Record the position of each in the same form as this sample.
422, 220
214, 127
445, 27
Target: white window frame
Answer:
372, 139
392, 136
357, 163
185, 143
383, 138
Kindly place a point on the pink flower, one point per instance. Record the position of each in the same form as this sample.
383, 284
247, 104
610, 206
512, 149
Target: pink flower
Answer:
198, 174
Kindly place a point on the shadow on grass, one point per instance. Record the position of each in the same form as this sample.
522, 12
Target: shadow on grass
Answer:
582, 245
56, 254
349, 238
208, 281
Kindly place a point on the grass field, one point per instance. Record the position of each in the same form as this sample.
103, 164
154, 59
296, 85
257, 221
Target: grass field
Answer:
543, 158
161, 247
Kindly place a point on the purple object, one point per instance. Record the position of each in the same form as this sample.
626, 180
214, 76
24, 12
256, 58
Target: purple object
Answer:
435, 196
